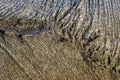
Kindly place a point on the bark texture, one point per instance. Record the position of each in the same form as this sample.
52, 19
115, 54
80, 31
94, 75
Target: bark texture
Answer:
92, 26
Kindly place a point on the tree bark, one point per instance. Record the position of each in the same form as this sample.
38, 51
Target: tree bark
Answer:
93, 26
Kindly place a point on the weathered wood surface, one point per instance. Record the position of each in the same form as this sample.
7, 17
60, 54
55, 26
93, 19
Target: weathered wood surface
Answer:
92, 24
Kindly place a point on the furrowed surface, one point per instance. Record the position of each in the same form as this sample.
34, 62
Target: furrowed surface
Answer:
93, 26
41, 58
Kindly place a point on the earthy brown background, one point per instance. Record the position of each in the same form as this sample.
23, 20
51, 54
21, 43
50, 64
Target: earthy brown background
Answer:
80, 40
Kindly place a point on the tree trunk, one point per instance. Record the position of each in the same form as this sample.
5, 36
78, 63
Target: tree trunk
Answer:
92, 26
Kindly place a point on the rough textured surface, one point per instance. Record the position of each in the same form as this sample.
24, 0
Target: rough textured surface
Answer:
92, 27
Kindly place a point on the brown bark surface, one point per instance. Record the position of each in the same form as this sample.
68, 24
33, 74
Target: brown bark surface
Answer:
59, 39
